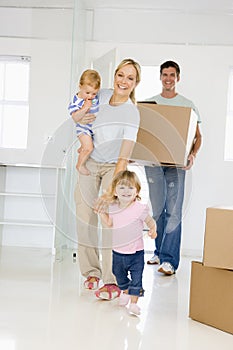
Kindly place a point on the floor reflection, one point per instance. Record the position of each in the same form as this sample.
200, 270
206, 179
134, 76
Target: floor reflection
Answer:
43, 306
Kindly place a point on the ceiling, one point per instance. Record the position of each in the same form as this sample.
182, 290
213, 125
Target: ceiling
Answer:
178, 6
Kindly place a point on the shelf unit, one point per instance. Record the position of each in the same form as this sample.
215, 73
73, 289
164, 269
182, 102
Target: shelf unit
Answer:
31, 205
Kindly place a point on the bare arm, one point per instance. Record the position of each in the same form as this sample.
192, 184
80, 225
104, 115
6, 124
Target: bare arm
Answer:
124, 155
105, 218
196, 146
151, 224
82, 116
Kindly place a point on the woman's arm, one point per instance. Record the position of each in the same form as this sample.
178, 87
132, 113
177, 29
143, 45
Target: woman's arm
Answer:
79, 114
124, 155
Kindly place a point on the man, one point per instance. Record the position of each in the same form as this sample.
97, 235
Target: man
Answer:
166, 183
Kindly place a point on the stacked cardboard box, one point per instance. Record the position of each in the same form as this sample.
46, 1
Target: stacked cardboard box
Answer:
211, 289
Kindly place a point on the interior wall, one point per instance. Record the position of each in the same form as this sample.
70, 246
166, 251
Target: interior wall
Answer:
202, 46
164, 26
200, 43
46, 36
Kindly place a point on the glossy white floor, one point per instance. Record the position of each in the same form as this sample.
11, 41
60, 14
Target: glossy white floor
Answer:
44, 306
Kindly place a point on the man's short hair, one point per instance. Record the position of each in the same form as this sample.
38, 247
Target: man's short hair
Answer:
168, 64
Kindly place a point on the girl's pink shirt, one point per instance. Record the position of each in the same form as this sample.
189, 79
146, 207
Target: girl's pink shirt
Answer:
128, 224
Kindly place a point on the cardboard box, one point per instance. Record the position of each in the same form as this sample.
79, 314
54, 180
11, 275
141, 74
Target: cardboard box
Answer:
218, 242
211, 296
165, 135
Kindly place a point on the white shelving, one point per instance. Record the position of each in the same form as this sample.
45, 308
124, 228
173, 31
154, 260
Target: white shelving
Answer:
31, 206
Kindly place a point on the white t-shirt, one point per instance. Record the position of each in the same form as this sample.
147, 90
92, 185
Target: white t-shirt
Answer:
113, 124
178, 100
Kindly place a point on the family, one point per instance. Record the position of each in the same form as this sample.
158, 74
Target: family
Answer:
107, 123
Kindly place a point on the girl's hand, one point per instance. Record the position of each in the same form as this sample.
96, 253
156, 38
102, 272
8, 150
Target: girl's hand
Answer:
152, 233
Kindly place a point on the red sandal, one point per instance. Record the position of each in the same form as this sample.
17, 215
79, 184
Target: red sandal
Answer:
108, 292
91, 282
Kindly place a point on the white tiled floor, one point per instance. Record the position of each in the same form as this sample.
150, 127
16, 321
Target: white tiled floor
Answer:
44, 306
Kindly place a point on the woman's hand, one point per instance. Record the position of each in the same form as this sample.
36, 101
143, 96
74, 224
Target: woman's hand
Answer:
87, 119
101, 204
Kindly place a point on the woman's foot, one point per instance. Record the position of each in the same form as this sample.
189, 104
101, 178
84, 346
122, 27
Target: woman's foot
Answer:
108, 292
91, 282
124, 299
134, 309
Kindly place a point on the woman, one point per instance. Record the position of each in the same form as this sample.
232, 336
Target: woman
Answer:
115, 132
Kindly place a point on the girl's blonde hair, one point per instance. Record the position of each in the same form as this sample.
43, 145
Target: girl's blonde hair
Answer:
125, 177
90, 77
137, 67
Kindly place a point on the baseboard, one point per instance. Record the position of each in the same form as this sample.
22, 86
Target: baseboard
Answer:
192, 252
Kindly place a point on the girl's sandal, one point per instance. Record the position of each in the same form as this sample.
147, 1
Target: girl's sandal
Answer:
108, 292
91, 282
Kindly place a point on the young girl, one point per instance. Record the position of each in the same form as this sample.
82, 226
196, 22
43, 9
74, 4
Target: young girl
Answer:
85, 101
127, 216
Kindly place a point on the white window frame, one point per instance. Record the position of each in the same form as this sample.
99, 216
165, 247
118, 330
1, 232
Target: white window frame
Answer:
14, 104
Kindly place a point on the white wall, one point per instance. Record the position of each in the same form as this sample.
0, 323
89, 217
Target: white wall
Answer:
201, 44
46, 36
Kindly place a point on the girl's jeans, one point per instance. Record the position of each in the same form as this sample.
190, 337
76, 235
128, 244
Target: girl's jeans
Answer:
122, 265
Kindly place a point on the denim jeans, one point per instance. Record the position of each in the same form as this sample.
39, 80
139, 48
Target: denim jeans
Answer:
122, 265
166, 190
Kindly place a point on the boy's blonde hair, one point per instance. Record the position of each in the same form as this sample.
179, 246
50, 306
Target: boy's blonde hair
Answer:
125, 177
90, 77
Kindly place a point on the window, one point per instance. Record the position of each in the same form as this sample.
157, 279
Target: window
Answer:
229, 120
150, 84
14, 101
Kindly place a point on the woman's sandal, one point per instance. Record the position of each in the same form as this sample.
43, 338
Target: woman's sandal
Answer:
91, 282
108, 292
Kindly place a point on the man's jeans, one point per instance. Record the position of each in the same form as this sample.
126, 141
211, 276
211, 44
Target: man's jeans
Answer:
166, 189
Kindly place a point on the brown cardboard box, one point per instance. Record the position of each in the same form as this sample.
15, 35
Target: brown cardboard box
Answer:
211, 296
165, 135
218, 243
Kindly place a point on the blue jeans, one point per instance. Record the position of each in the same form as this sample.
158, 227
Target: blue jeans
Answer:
122, 265
166, 190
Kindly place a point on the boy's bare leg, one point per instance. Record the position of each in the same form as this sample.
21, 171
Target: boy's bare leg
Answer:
84, 153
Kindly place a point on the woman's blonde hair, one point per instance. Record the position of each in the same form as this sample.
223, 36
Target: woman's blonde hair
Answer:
137, 67
90, 77
125, 177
